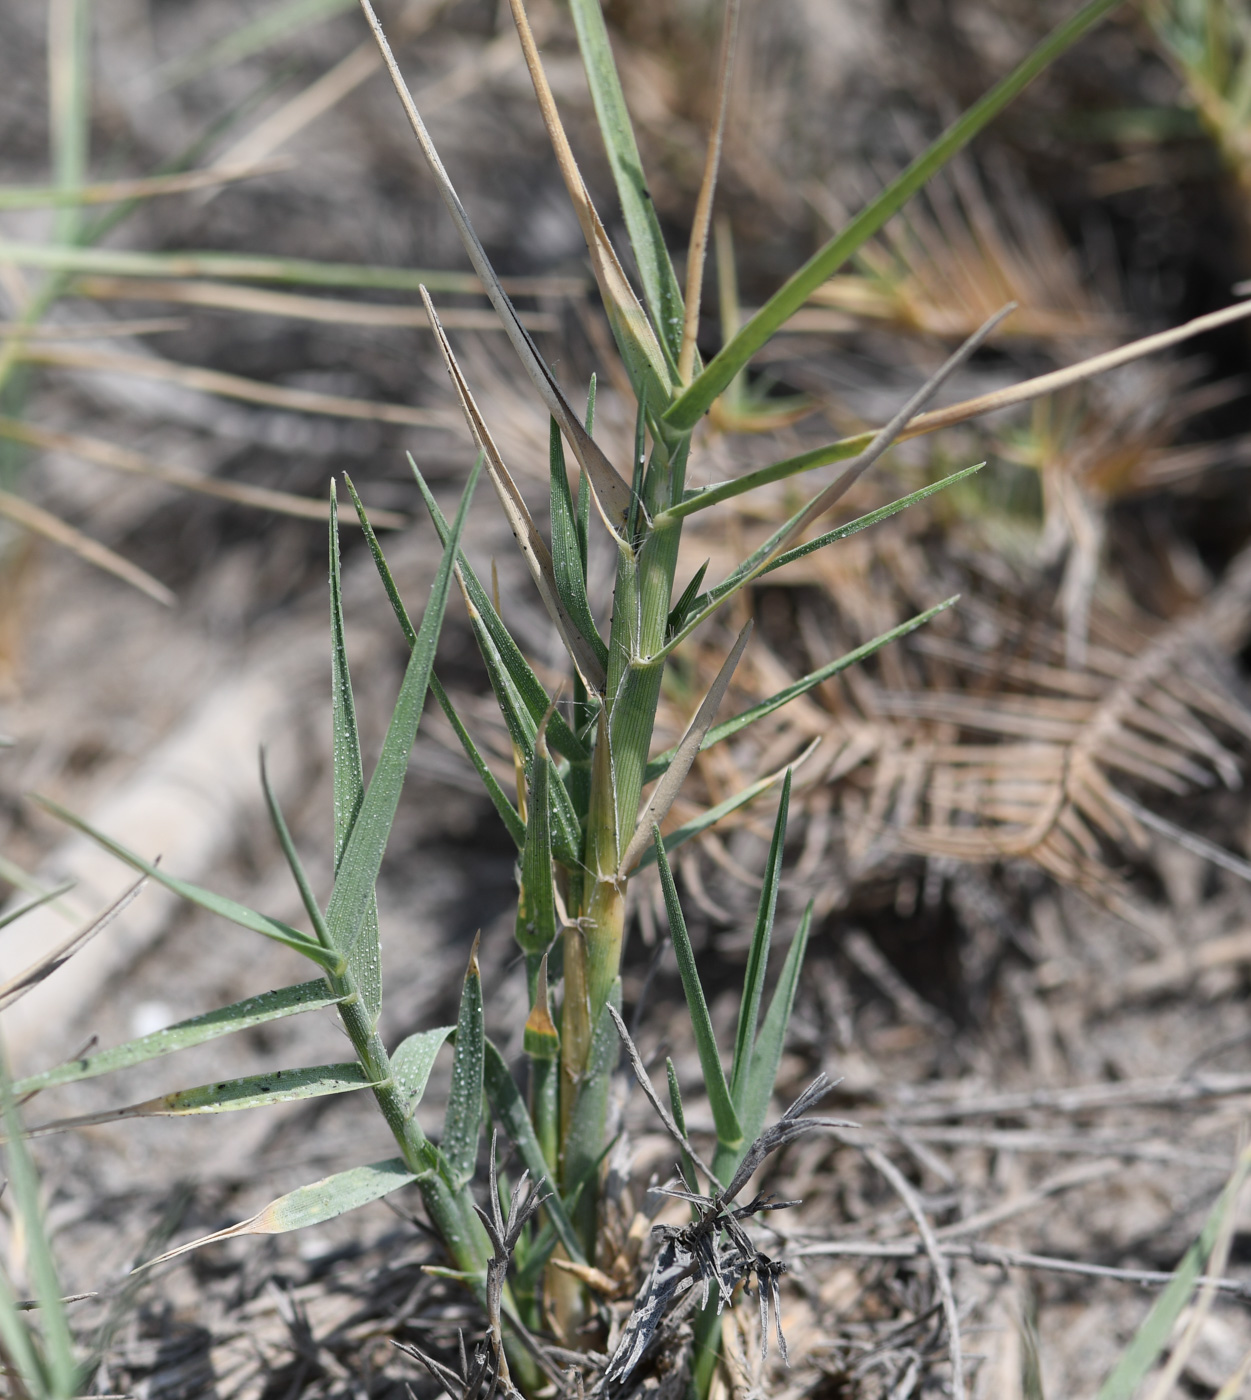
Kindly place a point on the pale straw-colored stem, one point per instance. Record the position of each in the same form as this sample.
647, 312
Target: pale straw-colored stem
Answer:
703, 205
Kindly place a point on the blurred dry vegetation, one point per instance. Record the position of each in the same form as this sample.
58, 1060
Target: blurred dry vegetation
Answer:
1024, 826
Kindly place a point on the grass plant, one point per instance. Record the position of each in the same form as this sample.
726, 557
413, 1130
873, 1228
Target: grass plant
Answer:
581, 818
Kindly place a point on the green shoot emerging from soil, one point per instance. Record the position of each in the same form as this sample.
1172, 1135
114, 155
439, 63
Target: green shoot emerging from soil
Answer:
592, 798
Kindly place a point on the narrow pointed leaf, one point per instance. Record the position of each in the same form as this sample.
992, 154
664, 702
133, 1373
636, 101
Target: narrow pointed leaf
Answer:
528, 685
585, 1148
31, 905
294, 863
228, 1095
206, 899
651, 257
758, 562
766, 1054
499, 798
413, 1060
863, 522
692, 404
314, 1204
729, 1130
463, 1122
567, 562
26, 1206
611, 491
509, 1107
364, 961
641, 352
679, 1117
531, 544
801, 687
564, 826
536, 909
508, 813
1157, 1327
666, 791
758, 958
353, 893
239, 1016
42, 968
794, 466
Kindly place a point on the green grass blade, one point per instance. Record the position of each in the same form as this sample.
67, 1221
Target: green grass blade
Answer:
365, 959
528, 685
58, 1363
758, 563
666, 791
729, 1130
826, 456
585, 1147
1157, 1327
239, 1016
694, 402
863, 522
69, 104
660, 284
314, 1204
499, 798
294, 863
565, 828
758, 955
509, 1107
229, 1096
194, 894
536, 908
766, 1054
256, 267
679, 1117
32, 904
414, 1059
463, 1122
680, 835
508, 813
568, 565
353, 892
739, 722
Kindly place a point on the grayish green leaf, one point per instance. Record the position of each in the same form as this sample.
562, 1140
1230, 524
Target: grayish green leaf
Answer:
239, 1016
660, 284
729, 1130
509, 1107
758, 957
694, 402
228, 1095
353, 892
206, 899
766, 1054
314, 1204
463, 1121
568, 563
414, 1059
365, 958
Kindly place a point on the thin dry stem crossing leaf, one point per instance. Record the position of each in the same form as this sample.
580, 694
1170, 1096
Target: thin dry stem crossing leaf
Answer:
235, 386
122, 459
41, 522
703, 205
532, 545
630, 321
665, 793
612, 493
1058, 379
16, 987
